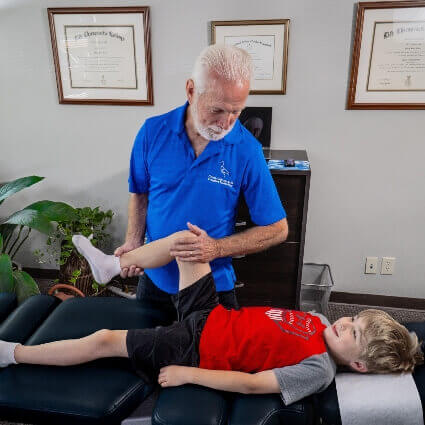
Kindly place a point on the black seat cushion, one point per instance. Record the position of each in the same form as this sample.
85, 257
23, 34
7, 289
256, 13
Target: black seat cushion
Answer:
194, 405
7, 304
100, 392
190, 405
25, 320
269, 409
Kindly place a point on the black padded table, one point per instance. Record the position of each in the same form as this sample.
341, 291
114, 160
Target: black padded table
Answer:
106, 391
100, 392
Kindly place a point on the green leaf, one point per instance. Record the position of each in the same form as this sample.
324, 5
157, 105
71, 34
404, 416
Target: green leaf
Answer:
17, 185
6, 230
54, 211
32, 219
25, 286
6, 277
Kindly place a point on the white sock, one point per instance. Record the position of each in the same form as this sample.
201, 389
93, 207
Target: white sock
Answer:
104, 267
7, 353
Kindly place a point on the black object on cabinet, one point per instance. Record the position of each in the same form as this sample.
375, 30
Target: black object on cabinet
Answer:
273, 277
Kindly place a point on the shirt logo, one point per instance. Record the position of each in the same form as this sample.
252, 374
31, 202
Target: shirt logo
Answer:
222, 180
223, 170
293, 322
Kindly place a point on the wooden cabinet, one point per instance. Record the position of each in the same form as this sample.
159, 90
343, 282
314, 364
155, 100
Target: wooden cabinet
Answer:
273, 277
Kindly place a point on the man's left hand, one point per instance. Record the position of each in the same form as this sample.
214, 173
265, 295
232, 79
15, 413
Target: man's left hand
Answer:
203, 249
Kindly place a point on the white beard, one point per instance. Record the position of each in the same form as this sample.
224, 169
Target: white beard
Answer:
212, 132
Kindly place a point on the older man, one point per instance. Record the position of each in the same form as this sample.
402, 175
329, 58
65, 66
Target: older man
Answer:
188, 168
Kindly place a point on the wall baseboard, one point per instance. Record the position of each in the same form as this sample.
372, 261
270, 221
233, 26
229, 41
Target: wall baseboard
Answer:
378, 300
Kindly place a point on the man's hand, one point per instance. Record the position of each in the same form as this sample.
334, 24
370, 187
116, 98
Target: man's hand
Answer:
199, 248
132, 270
172, 376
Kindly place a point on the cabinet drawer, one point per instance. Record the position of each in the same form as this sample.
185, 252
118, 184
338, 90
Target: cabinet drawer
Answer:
267, 278
291, 190
267, 294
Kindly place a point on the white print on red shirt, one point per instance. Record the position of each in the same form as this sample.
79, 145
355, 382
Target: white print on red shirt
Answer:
296, 323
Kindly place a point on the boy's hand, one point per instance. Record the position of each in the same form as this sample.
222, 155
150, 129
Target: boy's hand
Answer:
172, 376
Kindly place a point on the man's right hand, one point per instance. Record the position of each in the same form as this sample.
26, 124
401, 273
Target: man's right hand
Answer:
132, 270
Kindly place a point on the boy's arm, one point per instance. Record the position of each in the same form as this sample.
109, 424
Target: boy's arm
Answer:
224, 380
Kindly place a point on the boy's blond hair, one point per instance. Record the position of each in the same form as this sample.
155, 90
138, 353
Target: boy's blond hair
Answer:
389, 347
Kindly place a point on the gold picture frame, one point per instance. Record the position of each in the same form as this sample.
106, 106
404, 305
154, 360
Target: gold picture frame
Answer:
102, 55
388, 65
267, 42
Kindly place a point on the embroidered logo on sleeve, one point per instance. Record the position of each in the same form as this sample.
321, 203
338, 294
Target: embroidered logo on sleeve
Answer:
292, 322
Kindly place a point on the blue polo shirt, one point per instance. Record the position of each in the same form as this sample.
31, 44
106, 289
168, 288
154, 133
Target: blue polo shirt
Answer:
203, 190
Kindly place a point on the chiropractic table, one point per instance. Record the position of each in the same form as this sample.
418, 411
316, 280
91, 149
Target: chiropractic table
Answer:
106, 391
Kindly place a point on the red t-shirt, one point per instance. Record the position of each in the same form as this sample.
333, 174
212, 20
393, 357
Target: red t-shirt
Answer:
253, 339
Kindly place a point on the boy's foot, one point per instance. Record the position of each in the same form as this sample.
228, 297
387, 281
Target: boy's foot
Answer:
7, 353
104, 267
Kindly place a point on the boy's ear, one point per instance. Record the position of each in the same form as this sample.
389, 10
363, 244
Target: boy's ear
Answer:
359, 366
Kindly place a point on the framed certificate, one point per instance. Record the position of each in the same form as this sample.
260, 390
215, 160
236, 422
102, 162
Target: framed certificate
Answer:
266, 42
102, 55
388, 60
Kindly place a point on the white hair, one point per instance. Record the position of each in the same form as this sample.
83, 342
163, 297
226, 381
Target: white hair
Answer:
227, 62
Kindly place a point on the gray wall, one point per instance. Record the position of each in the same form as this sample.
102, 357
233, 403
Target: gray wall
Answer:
367, 189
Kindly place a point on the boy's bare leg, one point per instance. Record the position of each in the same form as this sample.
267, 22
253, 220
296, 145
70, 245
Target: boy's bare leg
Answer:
152, 255
157, 254
108, 343
103, 343
189, 272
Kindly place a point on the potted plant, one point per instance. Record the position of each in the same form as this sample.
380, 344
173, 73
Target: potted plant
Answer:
73, 268
15, 230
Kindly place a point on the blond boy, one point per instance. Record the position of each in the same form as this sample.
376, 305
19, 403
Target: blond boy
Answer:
253, 350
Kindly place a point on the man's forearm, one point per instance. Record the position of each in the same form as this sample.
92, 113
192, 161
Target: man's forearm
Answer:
255, 239
137, 208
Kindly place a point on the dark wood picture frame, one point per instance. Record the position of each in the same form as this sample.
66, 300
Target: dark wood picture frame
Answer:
362, 9
142, 10
271, 22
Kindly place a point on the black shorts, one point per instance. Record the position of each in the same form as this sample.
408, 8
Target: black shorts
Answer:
151, 349
147, 291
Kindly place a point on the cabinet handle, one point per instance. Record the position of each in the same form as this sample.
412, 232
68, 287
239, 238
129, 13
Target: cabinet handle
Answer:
240, 223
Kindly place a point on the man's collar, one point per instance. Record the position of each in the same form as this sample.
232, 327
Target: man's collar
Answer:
176, 122
176, 118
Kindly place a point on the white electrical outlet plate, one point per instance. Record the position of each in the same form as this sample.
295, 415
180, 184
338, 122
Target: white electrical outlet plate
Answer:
371, 266
387, 266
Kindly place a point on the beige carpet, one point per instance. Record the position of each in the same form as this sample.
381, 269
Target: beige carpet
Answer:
337, 310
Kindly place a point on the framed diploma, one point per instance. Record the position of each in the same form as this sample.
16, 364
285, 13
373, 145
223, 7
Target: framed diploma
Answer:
266, 42
102, 55
388, 60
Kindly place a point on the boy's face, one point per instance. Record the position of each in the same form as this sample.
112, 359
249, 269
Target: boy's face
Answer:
345, 340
